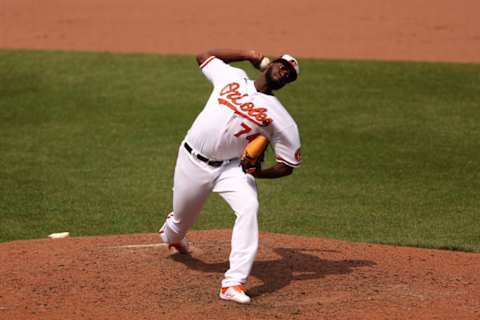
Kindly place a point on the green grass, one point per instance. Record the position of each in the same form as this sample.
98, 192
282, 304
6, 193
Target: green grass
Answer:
391, 150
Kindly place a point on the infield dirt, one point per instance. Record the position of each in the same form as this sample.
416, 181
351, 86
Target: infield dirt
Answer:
135, 277
427, 30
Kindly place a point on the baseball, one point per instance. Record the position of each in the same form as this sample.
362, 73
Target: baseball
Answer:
264, 63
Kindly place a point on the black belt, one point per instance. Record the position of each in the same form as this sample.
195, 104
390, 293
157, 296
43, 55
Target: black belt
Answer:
212, 163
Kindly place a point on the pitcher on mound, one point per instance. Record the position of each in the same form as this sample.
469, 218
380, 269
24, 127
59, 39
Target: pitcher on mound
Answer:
212, 158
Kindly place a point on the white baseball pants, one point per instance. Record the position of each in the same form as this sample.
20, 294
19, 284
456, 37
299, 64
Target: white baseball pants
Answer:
194, 180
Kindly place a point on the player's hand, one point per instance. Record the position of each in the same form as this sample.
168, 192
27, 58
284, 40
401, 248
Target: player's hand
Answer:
253, 155
255, 58
251, 167
252, 171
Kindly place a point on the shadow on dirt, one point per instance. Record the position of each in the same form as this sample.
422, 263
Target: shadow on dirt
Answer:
294, 264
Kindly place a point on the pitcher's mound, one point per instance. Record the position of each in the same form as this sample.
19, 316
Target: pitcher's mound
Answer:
136, 277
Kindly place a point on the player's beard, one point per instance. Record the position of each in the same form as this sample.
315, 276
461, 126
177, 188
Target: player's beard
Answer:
271, 83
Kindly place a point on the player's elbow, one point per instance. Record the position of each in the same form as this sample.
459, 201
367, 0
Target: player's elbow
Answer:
285, 169
288, 171
201, 57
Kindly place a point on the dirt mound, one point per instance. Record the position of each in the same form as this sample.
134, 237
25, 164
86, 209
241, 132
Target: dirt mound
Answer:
136, 277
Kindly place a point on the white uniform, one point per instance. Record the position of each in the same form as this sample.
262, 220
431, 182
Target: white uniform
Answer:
234, 114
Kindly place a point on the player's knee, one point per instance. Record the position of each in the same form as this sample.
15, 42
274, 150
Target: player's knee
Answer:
250, 207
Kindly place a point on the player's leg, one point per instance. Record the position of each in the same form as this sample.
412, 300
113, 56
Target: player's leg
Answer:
240, 192
191, 187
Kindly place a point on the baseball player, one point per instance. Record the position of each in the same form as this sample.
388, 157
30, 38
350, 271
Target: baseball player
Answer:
237, 111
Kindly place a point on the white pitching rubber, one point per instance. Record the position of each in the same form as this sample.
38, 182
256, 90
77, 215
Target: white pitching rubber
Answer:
59, 235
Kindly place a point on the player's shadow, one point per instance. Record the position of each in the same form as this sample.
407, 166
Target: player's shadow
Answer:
293, 264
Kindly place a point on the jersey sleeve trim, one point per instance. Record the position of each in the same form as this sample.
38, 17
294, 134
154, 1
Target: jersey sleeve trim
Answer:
204, 64
278, 159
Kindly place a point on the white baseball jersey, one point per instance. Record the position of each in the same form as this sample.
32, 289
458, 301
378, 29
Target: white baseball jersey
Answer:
236, 113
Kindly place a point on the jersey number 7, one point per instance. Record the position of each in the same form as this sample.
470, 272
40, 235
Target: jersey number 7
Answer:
246, 129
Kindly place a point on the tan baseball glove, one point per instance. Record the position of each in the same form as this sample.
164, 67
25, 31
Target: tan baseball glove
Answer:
253, 154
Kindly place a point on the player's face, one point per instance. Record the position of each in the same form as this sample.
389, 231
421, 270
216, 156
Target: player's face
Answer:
277, 75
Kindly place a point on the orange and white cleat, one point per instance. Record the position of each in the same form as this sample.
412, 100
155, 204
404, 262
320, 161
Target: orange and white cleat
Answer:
235, 293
